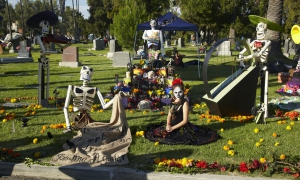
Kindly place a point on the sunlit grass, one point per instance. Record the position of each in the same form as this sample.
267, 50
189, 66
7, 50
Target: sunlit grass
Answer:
20, 80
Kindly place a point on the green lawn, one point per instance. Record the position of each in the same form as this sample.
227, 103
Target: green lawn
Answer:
20, 80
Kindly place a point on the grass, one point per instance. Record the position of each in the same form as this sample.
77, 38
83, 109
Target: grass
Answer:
20, 80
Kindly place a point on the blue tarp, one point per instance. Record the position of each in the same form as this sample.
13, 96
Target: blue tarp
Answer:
170, 22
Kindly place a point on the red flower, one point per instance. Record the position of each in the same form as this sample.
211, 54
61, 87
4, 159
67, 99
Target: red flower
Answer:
10, 151
214, 165
286, 170
255, 164
243, 167
201, 164
222, 169
296, 175
16, 155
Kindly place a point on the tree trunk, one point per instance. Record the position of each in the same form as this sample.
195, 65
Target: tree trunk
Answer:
274, 14
232, 35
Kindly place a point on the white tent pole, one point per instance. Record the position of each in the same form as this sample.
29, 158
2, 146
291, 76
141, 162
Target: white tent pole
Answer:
161, 43
198, 53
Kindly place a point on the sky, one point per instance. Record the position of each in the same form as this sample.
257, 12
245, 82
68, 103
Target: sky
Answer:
82, 6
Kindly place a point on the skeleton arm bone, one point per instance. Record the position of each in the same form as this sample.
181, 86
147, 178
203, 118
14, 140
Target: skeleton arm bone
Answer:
66, 107
104, 105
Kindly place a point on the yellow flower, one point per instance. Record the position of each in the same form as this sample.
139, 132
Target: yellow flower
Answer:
144, 112
131, 112
257, 144
261, 140
44, 127
226, 148
292, 123
279, 122
288, 128
141, 133
37, 154
208, 121
35, 140
184, 161
4, 120
230, 142
262, 160
231, 152
156, 143
277, 144
282, 157
256, 130
221, 129
274, 135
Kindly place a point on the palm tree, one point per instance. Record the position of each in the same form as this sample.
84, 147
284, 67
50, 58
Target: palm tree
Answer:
274, 14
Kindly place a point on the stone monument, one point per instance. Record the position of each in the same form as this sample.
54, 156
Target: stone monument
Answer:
121, 59
224, 49
98, 44
70, 57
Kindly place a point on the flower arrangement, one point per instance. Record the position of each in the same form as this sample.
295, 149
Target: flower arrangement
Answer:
262, 165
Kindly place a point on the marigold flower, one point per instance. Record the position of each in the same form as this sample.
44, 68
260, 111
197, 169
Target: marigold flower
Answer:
37, 154
277, 144
226, 148
274, 135
256, 130
231, 152
35, 140
261, 140
288, 128
257, 144
230, 142
262, 160
292, 123
279, 122
156, 143
282, 157
156, 160
221, 129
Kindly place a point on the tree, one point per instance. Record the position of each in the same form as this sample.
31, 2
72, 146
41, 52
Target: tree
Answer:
274, 14
125, 22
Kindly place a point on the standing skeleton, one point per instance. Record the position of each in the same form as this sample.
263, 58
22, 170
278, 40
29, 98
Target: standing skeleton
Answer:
260, 48
83, 100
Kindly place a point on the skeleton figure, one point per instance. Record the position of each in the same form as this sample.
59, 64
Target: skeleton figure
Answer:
260, 46
152, 36
83, 100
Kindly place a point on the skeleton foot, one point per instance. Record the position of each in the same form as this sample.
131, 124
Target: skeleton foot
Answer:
67, 130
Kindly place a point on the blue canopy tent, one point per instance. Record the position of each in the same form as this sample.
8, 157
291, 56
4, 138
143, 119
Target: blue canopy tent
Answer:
170, 22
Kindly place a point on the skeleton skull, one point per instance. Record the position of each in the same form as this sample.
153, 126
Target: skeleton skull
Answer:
45, 27
261, 29
153, 23
86, 73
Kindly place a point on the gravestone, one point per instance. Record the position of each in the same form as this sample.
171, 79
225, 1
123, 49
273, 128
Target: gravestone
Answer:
237, 45
98, 44
24, 49
113, 47
70, 57
248, 40
167, 43
286, 48
180, 42
292, 49
121, 59
224, 49
175, 42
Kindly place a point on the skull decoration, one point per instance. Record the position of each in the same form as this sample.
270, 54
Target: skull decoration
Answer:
261, 29
86, 73
45, 27
153, 23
